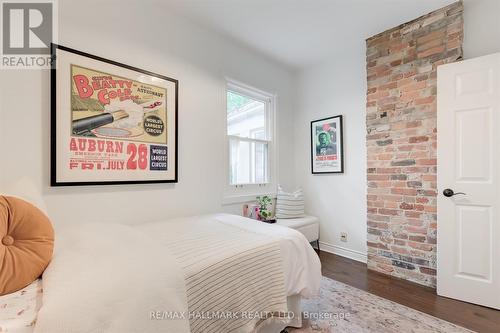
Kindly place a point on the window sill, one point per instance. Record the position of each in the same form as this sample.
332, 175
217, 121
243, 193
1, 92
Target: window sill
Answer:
239, 199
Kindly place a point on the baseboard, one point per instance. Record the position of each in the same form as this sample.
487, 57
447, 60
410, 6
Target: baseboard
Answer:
343, 252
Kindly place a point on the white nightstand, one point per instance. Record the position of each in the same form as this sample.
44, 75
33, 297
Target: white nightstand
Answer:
307, 225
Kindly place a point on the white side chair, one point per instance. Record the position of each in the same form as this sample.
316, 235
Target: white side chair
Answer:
307, 225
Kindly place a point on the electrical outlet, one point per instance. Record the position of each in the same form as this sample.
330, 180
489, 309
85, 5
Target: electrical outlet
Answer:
343, 236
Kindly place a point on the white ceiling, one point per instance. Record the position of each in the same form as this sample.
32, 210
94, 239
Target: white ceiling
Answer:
300, 33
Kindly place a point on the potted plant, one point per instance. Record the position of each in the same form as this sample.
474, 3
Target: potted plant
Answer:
263, 202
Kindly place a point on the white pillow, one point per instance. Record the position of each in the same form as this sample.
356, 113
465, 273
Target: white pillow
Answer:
289, 205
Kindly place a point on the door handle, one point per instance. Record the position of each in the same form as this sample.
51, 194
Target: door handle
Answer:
449, 193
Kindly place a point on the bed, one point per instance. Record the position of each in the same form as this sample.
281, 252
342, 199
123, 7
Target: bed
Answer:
211, 273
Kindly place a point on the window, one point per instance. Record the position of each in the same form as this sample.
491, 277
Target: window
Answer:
250, 134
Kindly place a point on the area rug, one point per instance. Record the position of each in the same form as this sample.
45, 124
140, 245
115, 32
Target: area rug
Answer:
341, 308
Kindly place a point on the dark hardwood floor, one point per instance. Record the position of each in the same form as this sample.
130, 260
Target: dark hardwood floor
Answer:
356, 274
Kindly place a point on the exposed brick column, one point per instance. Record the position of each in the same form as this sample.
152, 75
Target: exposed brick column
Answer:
401, 141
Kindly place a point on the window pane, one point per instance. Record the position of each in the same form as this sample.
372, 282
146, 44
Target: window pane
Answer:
248, 162
246, 117
260, 170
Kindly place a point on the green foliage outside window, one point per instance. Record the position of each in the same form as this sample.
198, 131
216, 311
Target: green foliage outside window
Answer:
236, 101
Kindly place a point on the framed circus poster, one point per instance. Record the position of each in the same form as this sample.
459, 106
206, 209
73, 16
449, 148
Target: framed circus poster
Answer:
111, 123
327, 145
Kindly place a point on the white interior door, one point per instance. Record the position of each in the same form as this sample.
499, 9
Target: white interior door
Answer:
468, 266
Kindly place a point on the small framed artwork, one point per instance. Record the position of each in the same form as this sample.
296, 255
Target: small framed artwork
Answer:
327, 145
111, 123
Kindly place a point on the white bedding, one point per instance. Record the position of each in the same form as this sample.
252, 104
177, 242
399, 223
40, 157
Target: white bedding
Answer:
301, 264
239, 265
108, 277
18, 311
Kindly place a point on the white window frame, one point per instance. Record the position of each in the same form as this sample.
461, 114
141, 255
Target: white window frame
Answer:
247, 192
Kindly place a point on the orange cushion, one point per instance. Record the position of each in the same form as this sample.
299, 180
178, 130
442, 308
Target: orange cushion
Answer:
26, 244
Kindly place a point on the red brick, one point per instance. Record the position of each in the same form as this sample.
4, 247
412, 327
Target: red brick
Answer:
413, 214
432, 51
430, 209
377, 95
378, 225
415, 222
393, 198
419, 155
391, 205
400, 250
418, 139
430, 44
406, 147
378, 177
388, 170
427, 270
401, 119
378, 245
404, 191
384, 211
388, 86
430, 36
417, 230
419, 239
425, 100
431, 161
422, 200
396, 63
400, 242
453, 44
414, 86
408, 96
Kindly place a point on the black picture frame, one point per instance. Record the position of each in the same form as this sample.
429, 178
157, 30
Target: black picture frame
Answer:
339, 146
53, 121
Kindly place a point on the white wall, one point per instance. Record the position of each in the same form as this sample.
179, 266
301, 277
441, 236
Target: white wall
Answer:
339, 200
152, 38
481, 27
337, 87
